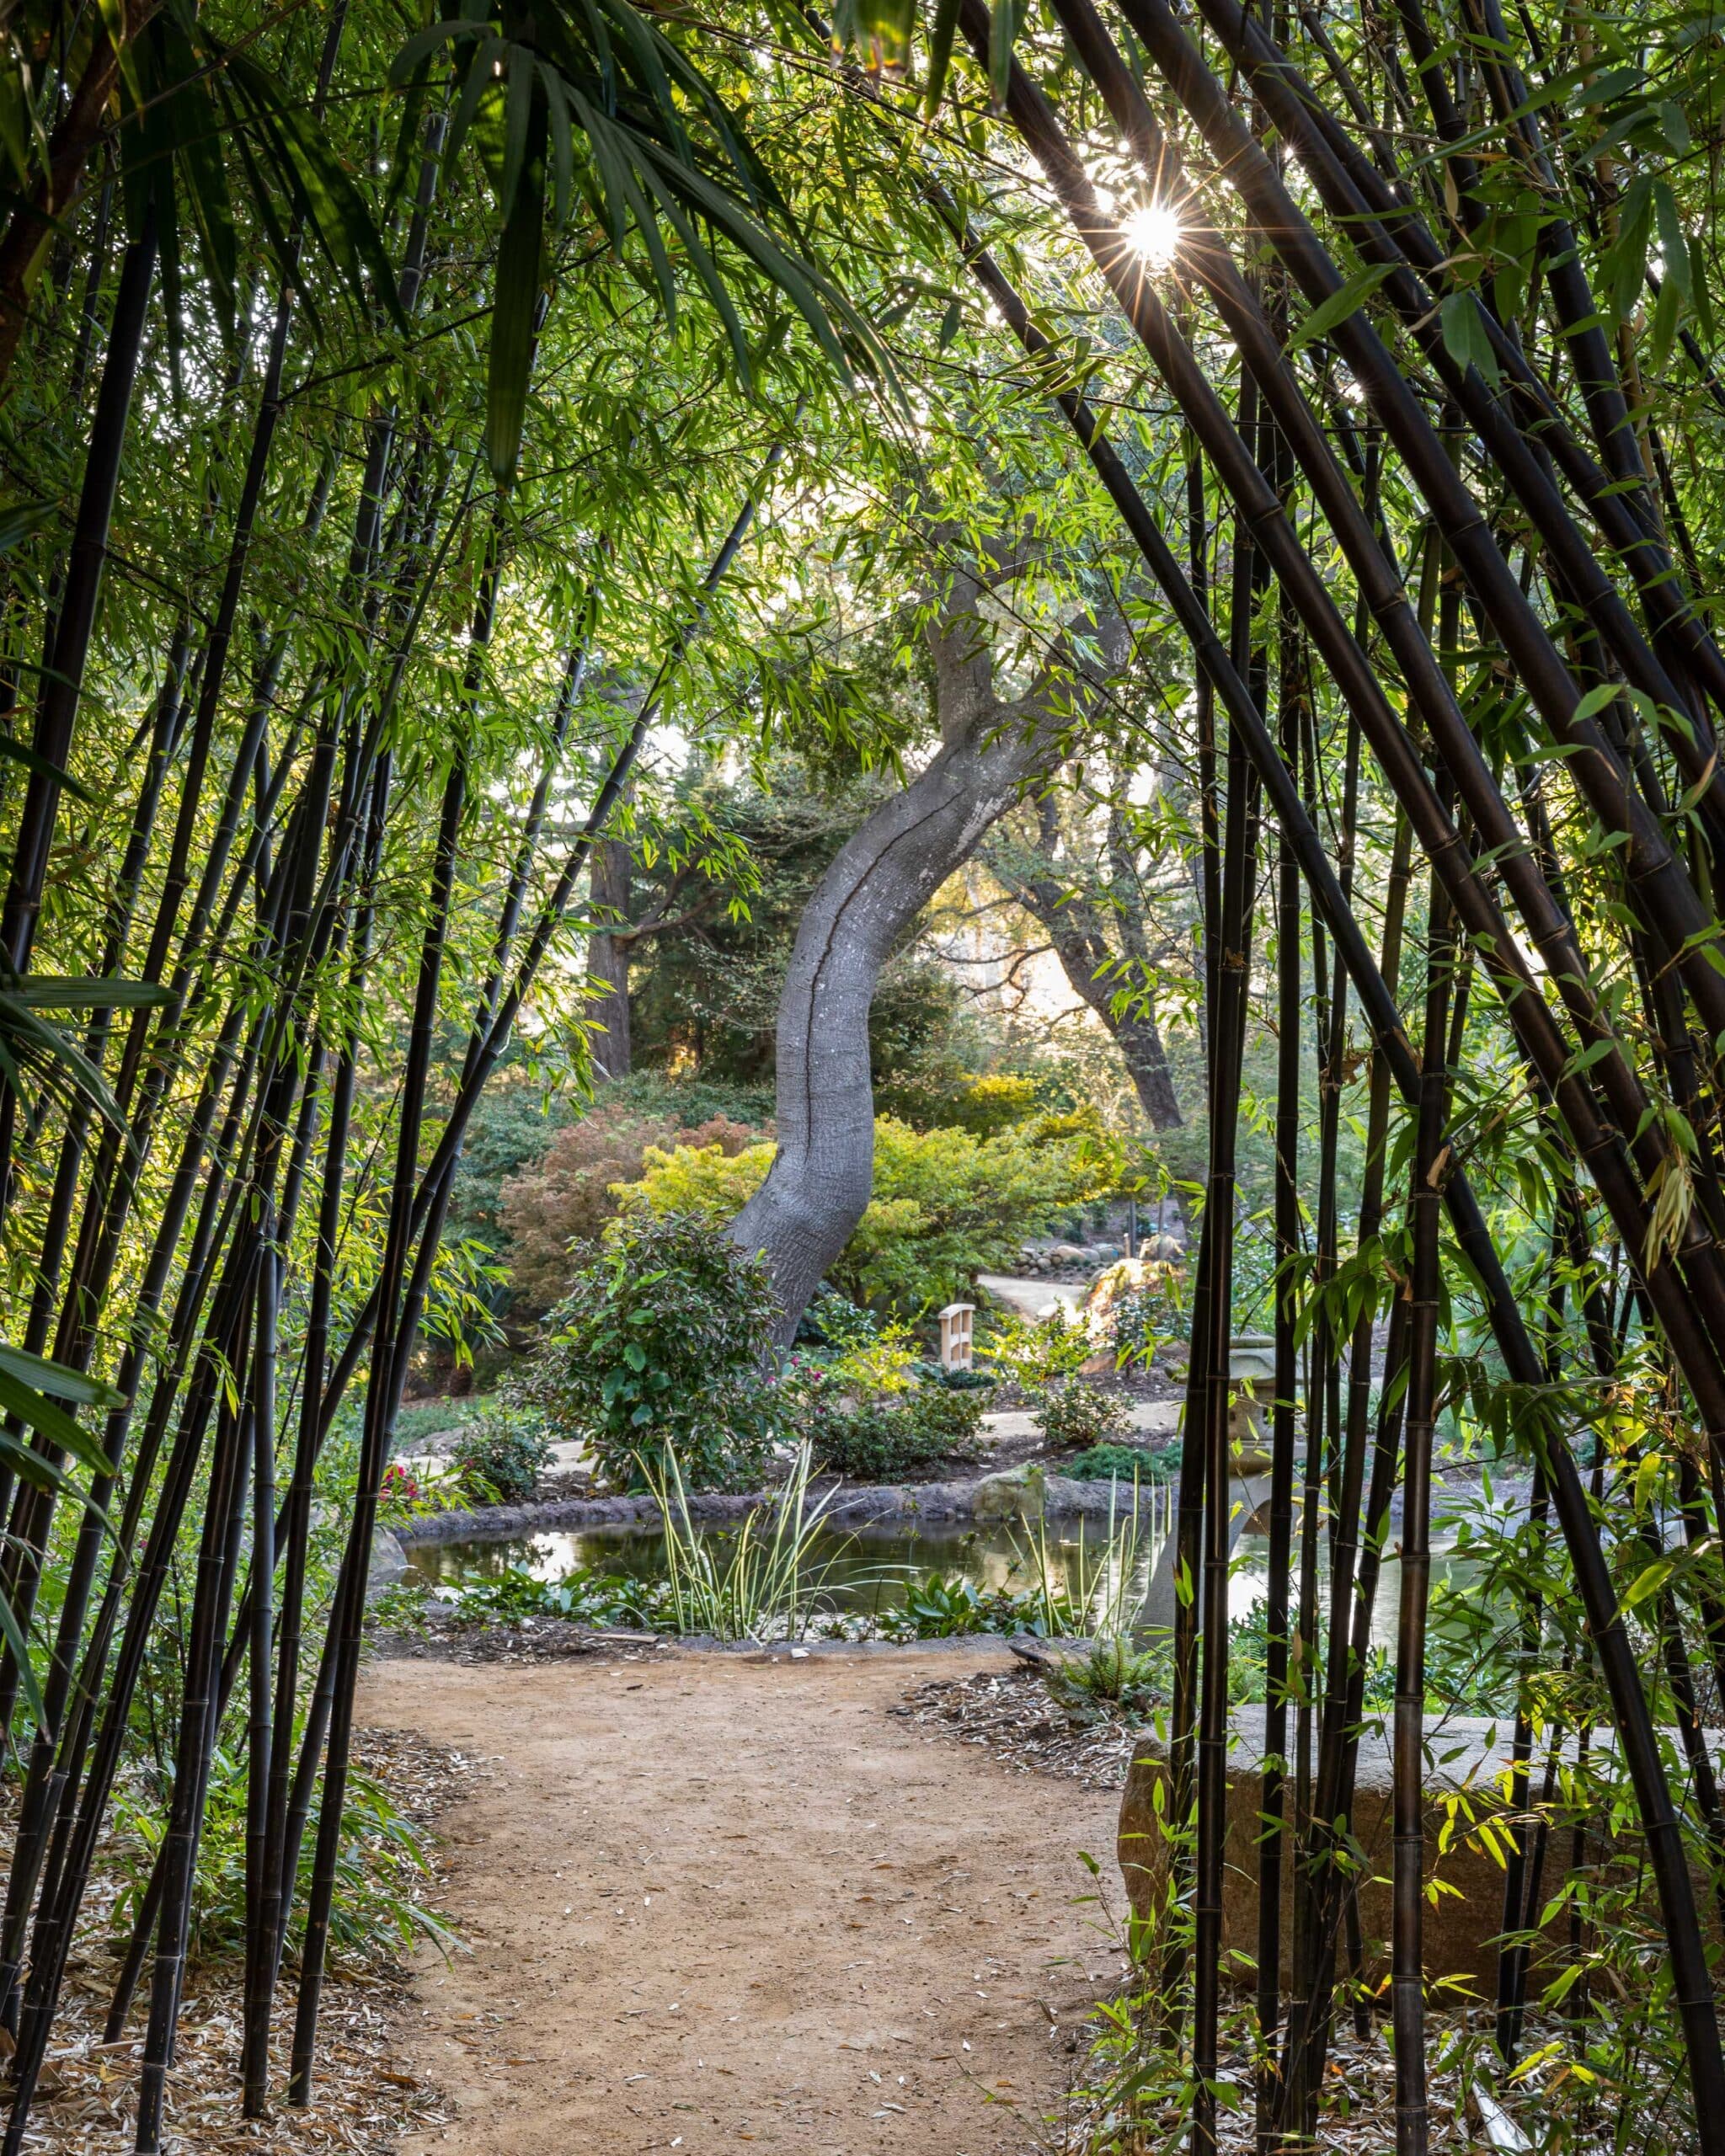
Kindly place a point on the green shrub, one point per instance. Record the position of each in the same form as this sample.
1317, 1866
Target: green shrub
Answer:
1110, 1463
501, 1453
1139, 1305
946, 1206
1076, 1413
867, 1417
834, 1321
957, 1380
989, 1105
1035, 1353
664, 1341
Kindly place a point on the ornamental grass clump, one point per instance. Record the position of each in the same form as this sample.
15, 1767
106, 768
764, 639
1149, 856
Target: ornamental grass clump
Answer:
767, 1581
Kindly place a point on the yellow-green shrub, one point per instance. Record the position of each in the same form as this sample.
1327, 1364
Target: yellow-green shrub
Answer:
946, 1204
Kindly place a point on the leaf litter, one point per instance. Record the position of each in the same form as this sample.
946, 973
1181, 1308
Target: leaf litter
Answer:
365, 2096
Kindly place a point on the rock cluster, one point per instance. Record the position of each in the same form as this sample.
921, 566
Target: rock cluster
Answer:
1068, 1257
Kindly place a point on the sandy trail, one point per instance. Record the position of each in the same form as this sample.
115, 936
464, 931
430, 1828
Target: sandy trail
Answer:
716, 1900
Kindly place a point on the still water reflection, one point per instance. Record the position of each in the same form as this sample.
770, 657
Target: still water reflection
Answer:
868, 1570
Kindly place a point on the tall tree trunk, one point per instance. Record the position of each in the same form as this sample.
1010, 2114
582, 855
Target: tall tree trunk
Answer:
819, 1183
608, 962
1075, 924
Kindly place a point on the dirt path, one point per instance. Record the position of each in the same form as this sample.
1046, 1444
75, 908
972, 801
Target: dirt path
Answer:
716, 1900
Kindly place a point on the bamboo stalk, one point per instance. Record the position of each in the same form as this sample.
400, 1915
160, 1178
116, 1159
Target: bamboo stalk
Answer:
379, 1414
1425, 1198
1231, 940
263, 1884
1691, 1986
1272, 1798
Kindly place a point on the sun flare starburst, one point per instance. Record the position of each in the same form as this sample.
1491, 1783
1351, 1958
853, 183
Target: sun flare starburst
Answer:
1152, 232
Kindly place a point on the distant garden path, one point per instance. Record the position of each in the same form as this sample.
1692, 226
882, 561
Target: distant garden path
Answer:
719, 1899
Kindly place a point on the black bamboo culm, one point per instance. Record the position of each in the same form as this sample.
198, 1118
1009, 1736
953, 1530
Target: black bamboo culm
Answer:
1285, 1411
1617, 1663
347, 1617
56, 712
1189, 1505
295, 918
1425, 1204
1231, 934
218, 1559
263, 1885
56, 715
1328, 1900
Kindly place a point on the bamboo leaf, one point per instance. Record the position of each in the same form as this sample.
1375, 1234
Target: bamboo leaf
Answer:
511, 360
1647, 1584
421, 47
884, 27
19, 520
56, 1380
1003, 29
1674, 241
38, 766
1466, 338
1339, 306
562, 139
940, 54
39, 1413
19, 1647
520, 76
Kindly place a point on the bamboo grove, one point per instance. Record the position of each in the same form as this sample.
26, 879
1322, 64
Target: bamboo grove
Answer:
397, 418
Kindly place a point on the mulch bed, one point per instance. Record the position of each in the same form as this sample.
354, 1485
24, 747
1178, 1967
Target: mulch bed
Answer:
439, 1635
1012, 1716
365, 2098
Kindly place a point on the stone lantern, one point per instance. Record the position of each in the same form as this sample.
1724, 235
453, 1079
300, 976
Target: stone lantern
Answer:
1252, 1372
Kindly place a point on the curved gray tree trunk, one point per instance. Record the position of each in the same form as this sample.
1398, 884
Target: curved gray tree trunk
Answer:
821, 1177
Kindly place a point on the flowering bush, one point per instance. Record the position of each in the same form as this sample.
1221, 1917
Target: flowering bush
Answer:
398, 1488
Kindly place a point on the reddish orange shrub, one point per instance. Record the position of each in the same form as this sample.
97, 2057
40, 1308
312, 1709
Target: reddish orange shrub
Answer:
567, 1196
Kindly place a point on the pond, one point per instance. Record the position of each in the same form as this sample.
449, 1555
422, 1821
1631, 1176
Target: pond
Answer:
869, 1570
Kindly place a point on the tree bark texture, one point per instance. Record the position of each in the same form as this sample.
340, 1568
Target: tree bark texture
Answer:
1076, 924
608, 962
